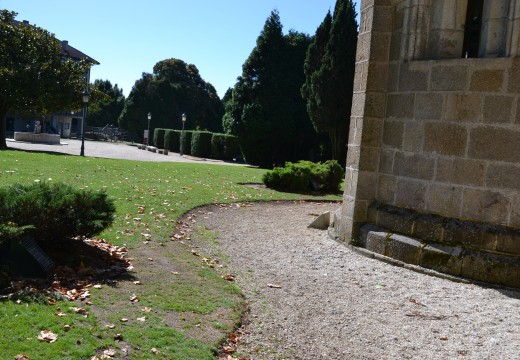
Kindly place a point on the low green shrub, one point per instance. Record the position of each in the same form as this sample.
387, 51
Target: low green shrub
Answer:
158, 138
185, 141
306, 176
172, 140
225, 147
53, 212
201, 144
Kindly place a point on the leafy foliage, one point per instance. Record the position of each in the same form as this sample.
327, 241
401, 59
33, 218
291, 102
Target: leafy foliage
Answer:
174, 88
106, 108
185, 141
265, 109
53, 212
158, 138
225, 147
306, 176
172, 140
201, 143
329, 72
34, 75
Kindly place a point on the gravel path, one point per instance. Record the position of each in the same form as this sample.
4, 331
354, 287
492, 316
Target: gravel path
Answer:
336, 304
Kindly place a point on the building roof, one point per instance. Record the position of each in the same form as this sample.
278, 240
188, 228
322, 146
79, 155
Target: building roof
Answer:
66, 49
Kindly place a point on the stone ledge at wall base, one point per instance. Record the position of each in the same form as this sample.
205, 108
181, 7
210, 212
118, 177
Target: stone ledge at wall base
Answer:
42, 138
481, 266
162, 151
482, 252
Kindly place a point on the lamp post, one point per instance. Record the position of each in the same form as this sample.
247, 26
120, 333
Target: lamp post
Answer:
148, 133
183, 117
86, 98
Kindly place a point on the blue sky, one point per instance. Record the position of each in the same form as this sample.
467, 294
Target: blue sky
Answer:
129, 37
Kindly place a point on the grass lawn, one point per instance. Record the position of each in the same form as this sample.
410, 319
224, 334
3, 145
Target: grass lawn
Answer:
184, 307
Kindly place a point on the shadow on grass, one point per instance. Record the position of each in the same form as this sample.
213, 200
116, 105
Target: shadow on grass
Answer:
77, 266
52, 153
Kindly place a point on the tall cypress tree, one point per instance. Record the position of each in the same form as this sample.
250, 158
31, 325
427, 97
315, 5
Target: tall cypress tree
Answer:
313, 62
329, 86
265, 109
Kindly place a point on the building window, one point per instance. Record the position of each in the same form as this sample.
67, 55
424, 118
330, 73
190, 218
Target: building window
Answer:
473, 29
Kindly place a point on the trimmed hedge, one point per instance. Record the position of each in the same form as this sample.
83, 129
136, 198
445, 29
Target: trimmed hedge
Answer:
306, 176
225, 147
158, 138
201, 144
53, 212
185, 140
172, 140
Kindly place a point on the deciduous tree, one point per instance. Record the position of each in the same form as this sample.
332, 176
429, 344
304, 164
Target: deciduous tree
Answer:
175, 87
34, 74
107, 106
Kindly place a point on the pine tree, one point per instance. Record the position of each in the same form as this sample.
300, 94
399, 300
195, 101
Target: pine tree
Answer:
329, 87
265, 109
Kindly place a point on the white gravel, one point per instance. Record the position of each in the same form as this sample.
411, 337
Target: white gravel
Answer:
336, 304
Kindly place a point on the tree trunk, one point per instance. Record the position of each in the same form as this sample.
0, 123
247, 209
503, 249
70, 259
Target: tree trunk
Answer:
333, 144
3, 120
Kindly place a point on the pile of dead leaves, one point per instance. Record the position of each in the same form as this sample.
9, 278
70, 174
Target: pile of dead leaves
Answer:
98, 262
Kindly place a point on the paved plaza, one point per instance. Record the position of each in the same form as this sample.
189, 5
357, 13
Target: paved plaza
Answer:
111, 150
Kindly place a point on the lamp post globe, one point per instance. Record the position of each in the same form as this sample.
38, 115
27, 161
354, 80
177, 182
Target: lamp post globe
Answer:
85, 99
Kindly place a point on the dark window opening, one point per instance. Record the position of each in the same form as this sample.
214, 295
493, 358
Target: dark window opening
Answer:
473, 28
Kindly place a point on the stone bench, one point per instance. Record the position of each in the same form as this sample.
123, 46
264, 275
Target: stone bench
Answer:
151, 148
163, 151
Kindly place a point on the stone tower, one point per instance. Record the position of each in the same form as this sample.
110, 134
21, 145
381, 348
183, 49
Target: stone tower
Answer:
434, 146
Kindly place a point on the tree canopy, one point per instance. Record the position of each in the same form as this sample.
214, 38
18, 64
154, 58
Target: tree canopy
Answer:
265, 109
329, 72
174, 88
34, 74
105, 108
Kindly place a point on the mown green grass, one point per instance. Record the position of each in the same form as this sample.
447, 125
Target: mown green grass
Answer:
150, 198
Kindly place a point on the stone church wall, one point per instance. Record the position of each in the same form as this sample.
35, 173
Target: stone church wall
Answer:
434, 147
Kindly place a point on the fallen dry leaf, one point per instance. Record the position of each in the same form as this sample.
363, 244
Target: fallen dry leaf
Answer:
21, 357
110, 326
233, 337
444, 338
80, 310
143, 319
146, 309
110, 352
97, 286
48, 336
134, 298
137, 282
66, 327
274, 286
124, 320
229, 349
228, 277
155, 351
